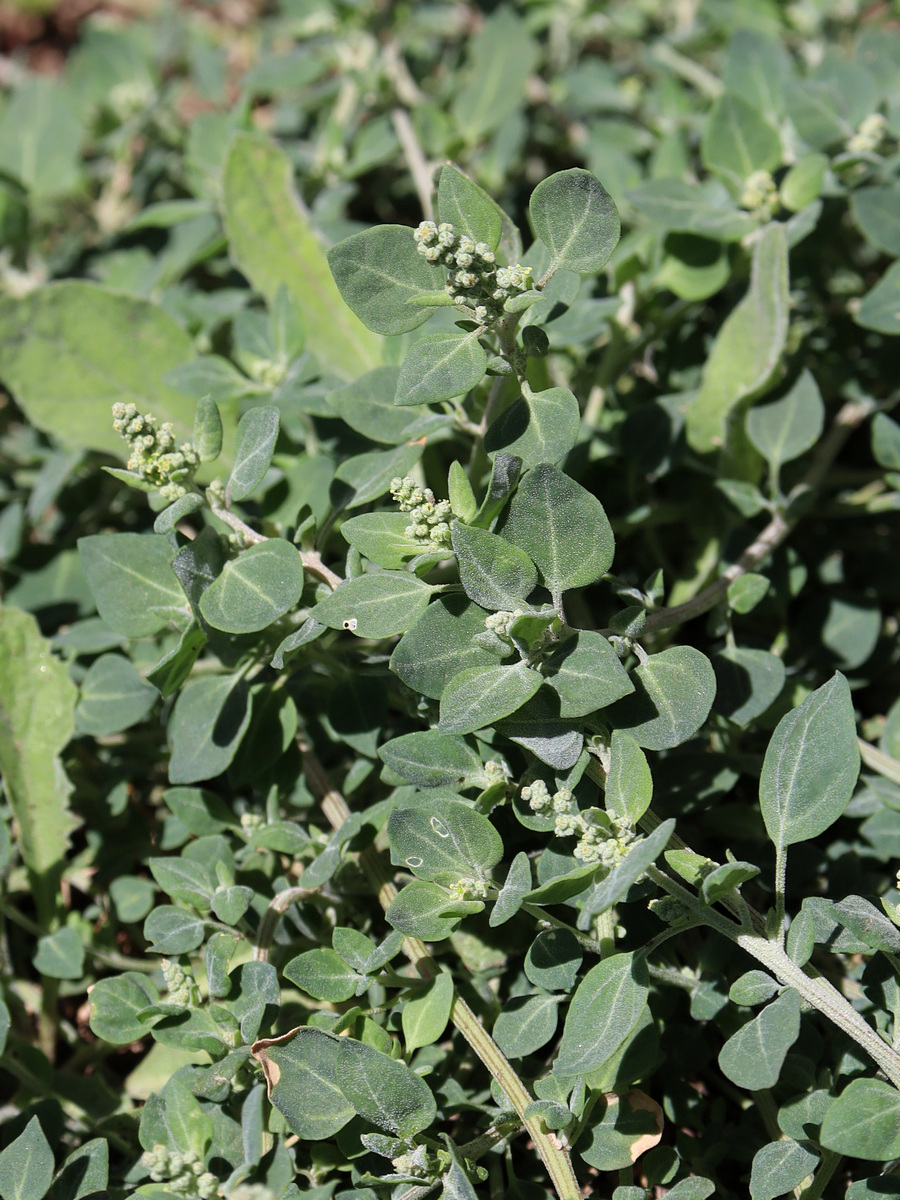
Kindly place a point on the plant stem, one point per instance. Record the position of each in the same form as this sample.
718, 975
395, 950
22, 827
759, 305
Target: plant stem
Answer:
831, 1160
553, 1152
311, 559
415, 159
780, 883
813, 987
879, 761
276, 910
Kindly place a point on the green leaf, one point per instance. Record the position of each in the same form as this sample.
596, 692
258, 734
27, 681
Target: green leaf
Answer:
426, 1013
70, 350
880, 308
257, 434
189, 503
190, 1125
500, 58
495, 574
381, 538
554, 960
132, 897
302, 1075
174, 667
674, 691
171, 930
538, 727
526, 1023
378, 271
518, 884
868, 923
706, 210
745, 592
207, 435
274, 245
811, 765
209, 719
468, 208
439, 645
864, 1121
481, 696
444, 841
779, 1167
886, 442
618, 1126
738, 140
132, 580
459, 491
604, 1010
85, 1171
629, 784
747, 682
748, 349
783, 429
576, 219
425, 911
323, 974
183, 879
802, 184
613, 888
383, 1090
375, 606
368, 476
37, 701
539, 427
757, 67
26, 1165
367, 405
562, 527
429, 758
115, 1003
586, 674
113, 697
753, 1057
41, 136
254, 589
505, 471
60, 955
754, 987
724, 879
440, 367
875, 210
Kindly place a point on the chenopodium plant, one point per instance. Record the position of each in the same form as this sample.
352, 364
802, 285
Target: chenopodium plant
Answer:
515, 780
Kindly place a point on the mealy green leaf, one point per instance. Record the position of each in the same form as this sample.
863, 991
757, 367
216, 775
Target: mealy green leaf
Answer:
276, 246
429, 758
783, 429
383, 1090
440, 367
875, 211
115, 1002
753, 1057
468, 208
526, 1023
207, 435
500, 59
561, 527
60, 955
629, 784
480, 696
749, 346
673, 696
131, 576
257, 433
426, 1013
323, 974
377, 271
864, 1121
444, 842
810, 768
376, 605
26, 1165
439, 645
880, 308
113, 696
254, 589
553, 960
206, 726
779, 1167
426, 911
84, 1172
586, 674
576, 219
517, 884
603, 1011
738, 140
613, 888
494, 573
539, 427
302, 1074
747, 682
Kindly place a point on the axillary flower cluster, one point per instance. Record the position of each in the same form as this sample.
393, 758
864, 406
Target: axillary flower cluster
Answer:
474, 281
601, 839
161, 463
429, 519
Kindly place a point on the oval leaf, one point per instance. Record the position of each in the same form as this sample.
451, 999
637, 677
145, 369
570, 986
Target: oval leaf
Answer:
576, 219
255, 589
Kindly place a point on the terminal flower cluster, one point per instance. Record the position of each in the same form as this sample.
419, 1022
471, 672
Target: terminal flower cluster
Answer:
429, 518
465, 888
760, 195
869, 136
474, 280
180, 984
182, 1173
601, 840
161, 464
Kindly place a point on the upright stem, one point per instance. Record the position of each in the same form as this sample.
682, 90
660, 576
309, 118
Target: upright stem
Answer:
780, 883
553, 1152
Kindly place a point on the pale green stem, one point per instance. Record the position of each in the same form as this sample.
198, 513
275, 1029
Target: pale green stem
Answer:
780, 883
878, 761
815, 989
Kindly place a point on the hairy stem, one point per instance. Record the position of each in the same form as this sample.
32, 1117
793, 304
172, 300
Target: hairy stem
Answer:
415, 160
553, 1153
311, 559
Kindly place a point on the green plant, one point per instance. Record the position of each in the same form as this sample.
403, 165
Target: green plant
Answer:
462, 830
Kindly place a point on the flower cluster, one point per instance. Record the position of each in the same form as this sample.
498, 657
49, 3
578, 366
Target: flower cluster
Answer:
161, 464
181, 1173
180, 983
468, 887
474, 281
760, 195
429, 518
601, 839
869, 136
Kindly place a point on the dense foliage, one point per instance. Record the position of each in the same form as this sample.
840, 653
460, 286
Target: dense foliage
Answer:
449, 575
